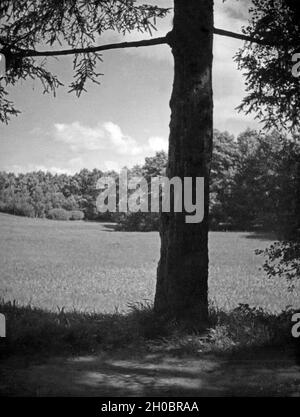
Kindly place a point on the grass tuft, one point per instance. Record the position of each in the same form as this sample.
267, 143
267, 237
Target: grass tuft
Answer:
31, 330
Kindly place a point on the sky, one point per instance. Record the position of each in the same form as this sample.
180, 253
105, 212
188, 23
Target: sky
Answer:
126, 118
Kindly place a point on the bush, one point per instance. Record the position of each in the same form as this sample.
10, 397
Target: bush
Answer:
282, 260
58, 214
18, 208
2, 206
24, 209
76, 215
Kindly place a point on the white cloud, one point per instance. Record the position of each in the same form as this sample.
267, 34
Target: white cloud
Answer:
105, 146
79, 137
106, 136
76, 164
124, 144
85, 138
228, 81
112, 166
232, 14
157, 144
18, 169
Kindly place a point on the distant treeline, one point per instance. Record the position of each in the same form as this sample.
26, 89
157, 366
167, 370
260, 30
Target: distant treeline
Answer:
253, 186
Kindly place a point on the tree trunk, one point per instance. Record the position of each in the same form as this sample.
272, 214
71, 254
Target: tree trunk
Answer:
182, 274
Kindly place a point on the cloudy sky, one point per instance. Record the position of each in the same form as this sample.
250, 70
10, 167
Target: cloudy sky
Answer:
125, 118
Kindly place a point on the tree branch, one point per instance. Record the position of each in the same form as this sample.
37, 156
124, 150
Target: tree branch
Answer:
240, 36
122, 45
91, 49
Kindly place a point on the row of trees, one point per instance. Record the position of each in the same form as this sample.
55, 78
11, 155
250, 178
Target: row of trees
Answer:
39, 194
254, 181
253, 185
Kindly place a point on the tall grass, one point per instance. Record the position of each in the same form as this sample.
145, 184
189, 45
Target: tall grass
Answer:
35, 331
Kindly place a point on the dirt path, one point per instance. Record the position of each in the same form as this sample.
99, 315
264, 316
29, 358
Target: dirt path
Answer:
144, 374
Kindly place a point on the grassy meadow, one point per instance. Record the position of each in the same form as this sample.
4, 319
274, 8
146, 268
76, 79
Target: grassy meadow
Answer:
90, 267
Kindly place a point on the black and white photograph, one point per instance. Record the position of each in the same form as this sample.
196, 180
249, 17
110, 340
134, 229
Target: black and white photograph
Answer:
149, 201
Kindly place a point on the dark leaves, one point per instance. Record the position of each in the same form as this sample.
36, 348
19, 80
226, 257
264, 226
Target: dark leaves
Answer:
31, 24
282, 260
7, 108
273, 91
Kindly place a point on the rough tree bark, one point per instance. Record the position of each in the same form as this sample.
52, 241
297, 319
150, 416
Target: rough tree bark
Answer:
182, 274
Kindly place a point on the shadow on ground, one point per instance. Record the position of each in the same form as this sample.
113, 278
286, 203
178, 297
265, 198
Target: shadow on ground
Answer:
134, 375
125, 355
263, 236
109, 227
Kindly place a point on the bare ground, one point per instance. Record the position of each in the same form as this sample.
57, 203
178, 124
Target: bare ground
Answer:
126, 373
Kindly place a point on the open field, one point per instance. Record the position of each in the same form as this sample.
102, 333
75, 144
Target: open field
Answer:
90, 267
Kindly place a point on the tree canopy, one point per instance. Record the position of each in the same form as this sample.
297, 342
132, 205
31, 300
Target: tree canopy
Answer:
273, 93
76, 24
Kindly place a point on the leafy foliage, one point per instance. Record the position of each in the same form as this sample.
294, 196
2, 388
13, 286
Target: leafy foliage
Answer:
282, 260
58, 214
26, 26
35, 194
273, 92
222, 176
264, 193
76, 215
144, 222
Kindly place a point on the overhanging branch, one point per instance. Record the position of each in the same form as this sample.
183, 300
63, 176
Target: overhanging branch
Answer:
240, 36
93, 49
123, 45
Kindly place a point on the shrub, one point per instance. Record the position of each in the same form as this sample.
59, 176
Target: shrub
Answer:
7, 206
77, 215
58, 214
282, 260
2, 206
18, 208
24, 209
